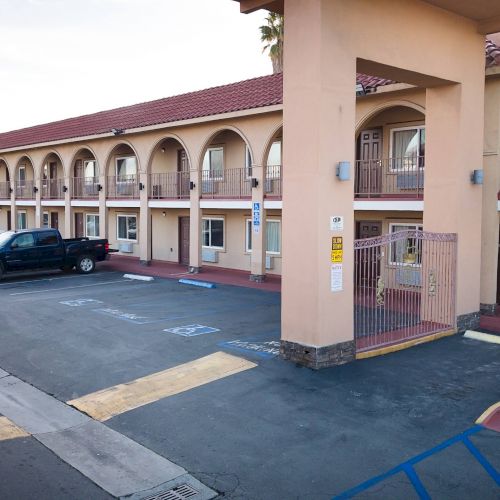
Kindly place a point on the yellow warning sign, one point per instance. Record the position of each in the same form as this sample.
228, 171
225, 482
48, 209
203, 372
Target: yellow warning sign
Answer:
337, 256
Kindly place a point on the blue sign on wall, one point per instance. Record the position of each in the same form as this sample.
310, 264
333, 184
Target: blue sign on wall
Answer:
256, 217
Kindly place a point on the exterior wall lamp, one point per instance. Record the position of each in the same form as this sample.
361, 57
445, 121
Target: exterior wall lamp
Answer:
99, 187
65, 189
343, 170
255, 182
141, 186
11, 190
477, 176
192, 185
35, 189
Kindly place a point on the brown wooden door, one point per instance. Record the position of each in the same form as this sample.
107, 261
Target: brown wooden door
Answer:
54, 220
367, 262
183, 175
369, 173
79, 230
9, 220
184, 240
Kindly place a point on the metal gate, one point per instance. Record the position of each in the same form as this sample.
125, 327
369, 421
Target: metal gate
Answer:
404, 287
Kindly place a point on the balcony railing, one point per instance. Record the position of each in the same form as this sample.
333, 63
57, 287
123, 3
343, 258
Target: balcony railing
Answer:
123, 186
169, 185
85, 188
53, 189
273, 182
5, 190
232, 183
24, 190
390, 178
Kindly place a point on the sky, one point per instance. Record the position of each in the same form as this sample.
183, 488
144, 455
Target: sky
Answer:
64, 58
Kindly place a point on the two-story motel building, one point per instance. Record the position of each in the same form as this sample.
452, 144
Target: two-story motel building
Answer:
179, 179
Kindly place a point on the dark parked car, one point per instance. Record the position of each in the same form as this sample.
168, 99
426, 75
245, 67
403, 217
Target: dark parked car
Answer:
45, 249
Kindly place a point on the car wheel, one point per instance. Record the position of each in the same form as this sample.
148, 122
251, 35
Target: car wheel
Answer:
85, 264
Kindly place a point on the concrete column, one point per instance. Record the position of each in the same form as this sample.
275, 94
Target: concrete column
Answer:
319, 132
454, 148
103, 211
38, 203
258, 256
195, 220
144, 222
68, 210
13, 207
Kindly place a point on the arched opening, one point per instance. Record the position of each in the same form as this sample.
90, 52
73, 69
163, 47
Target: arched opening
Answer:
85, 175
52, 177
274, 166
122, 173
25, 179
169, 170
390, 154
226, 167
4, 180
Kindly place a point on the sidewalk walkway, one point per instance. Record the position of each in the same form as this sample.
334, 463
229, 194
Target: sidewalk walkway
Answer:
212, 274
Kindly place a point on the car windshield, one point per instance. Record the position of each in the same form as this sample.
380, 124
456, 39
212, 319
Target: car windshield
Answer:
4, 237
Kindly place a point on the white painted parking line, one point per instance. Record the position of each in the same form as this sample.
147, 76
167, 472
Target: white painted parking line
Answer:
70, 287
11, 283
80, 302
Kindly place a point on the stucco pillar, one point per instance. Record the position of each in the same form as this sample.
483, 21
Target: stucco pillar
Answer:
195, 223
38, 203
454, 148
13, 207
319, 132
68, 211
489, 234
103, 210
144, 222
258, 255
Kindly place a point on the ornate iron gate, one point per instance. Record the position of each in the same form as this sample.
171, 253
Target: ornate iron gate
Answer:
404, 287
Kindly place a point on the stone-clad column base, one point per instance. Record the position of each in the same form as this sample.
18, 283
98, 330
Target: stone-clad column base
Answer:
257, 278
468, 321
318, 357
488, 309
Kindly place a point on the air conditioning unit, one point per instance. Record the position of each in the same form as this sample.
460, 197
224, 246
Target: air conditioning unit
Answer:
208, 255
126, 247
269, 262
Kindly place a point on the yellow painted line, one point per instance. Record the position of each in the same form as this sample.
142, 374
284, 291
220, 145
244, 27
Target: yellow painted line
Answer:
103, 405
485, 337
487, 413
9, 430
404, 345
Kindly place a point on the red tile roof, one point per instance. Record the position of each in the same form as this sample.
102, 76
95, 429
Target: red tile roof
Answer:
248, 94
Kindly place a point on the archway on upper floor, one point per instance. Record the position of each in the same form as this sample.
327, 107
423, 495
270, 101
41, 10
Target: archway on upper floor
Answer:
273, 164
52, 177
24, 179
84, 173
226, 165
4, 180
169, 170
390, 153
122, 171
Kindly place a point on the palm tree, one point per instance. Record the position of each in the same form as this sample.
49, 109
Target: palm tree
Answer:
271, 35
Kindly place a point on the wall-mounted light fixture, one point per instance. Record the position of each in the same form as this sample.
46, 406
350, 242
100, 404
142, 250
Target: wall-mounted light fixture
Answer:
117, 131
162, 150
343, 171
255, 182
99, 187
477, 176
11, 190
192, 185
65, 189
164, 213
35, 189
141, 186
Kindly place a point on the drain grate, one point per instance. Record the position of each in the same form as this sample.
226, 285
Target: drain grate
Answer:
181, 492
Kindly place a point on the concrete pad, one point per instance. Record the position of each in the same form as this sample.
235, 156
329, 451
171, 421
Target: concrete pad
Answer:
484, 337
138, 277
3, 373
33, 410
114, 462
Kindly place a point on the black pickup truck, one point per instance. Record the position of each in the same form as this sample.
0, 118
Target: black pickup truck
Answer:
45, 249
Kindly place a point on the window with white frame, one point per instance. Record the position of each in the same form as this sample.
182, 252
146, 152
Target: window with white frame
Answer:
92, 225
126, 227
213, 163
21, 174
22, 219
407, 147
407, 251
273, 236
248, 162
126, 167
45, 219
90, 168
213, 232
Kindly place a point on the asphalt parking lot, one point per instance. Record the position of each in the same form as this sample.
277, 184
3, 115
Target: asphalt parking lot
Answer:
272, 430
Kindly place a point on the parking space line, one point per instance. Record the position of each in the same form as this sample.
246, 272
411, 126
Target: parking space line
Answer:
9, 430
12, 283
107, 403
70, 287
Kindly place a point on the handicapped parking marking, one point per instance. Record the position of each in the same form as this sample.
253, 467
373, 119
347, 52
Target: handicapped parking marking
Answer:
80, 302
118, 314
264, 349
191, 330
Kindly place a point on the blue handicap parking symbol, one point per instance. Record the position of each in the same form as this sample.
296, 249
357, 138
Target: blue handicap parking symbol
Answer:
191, 330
